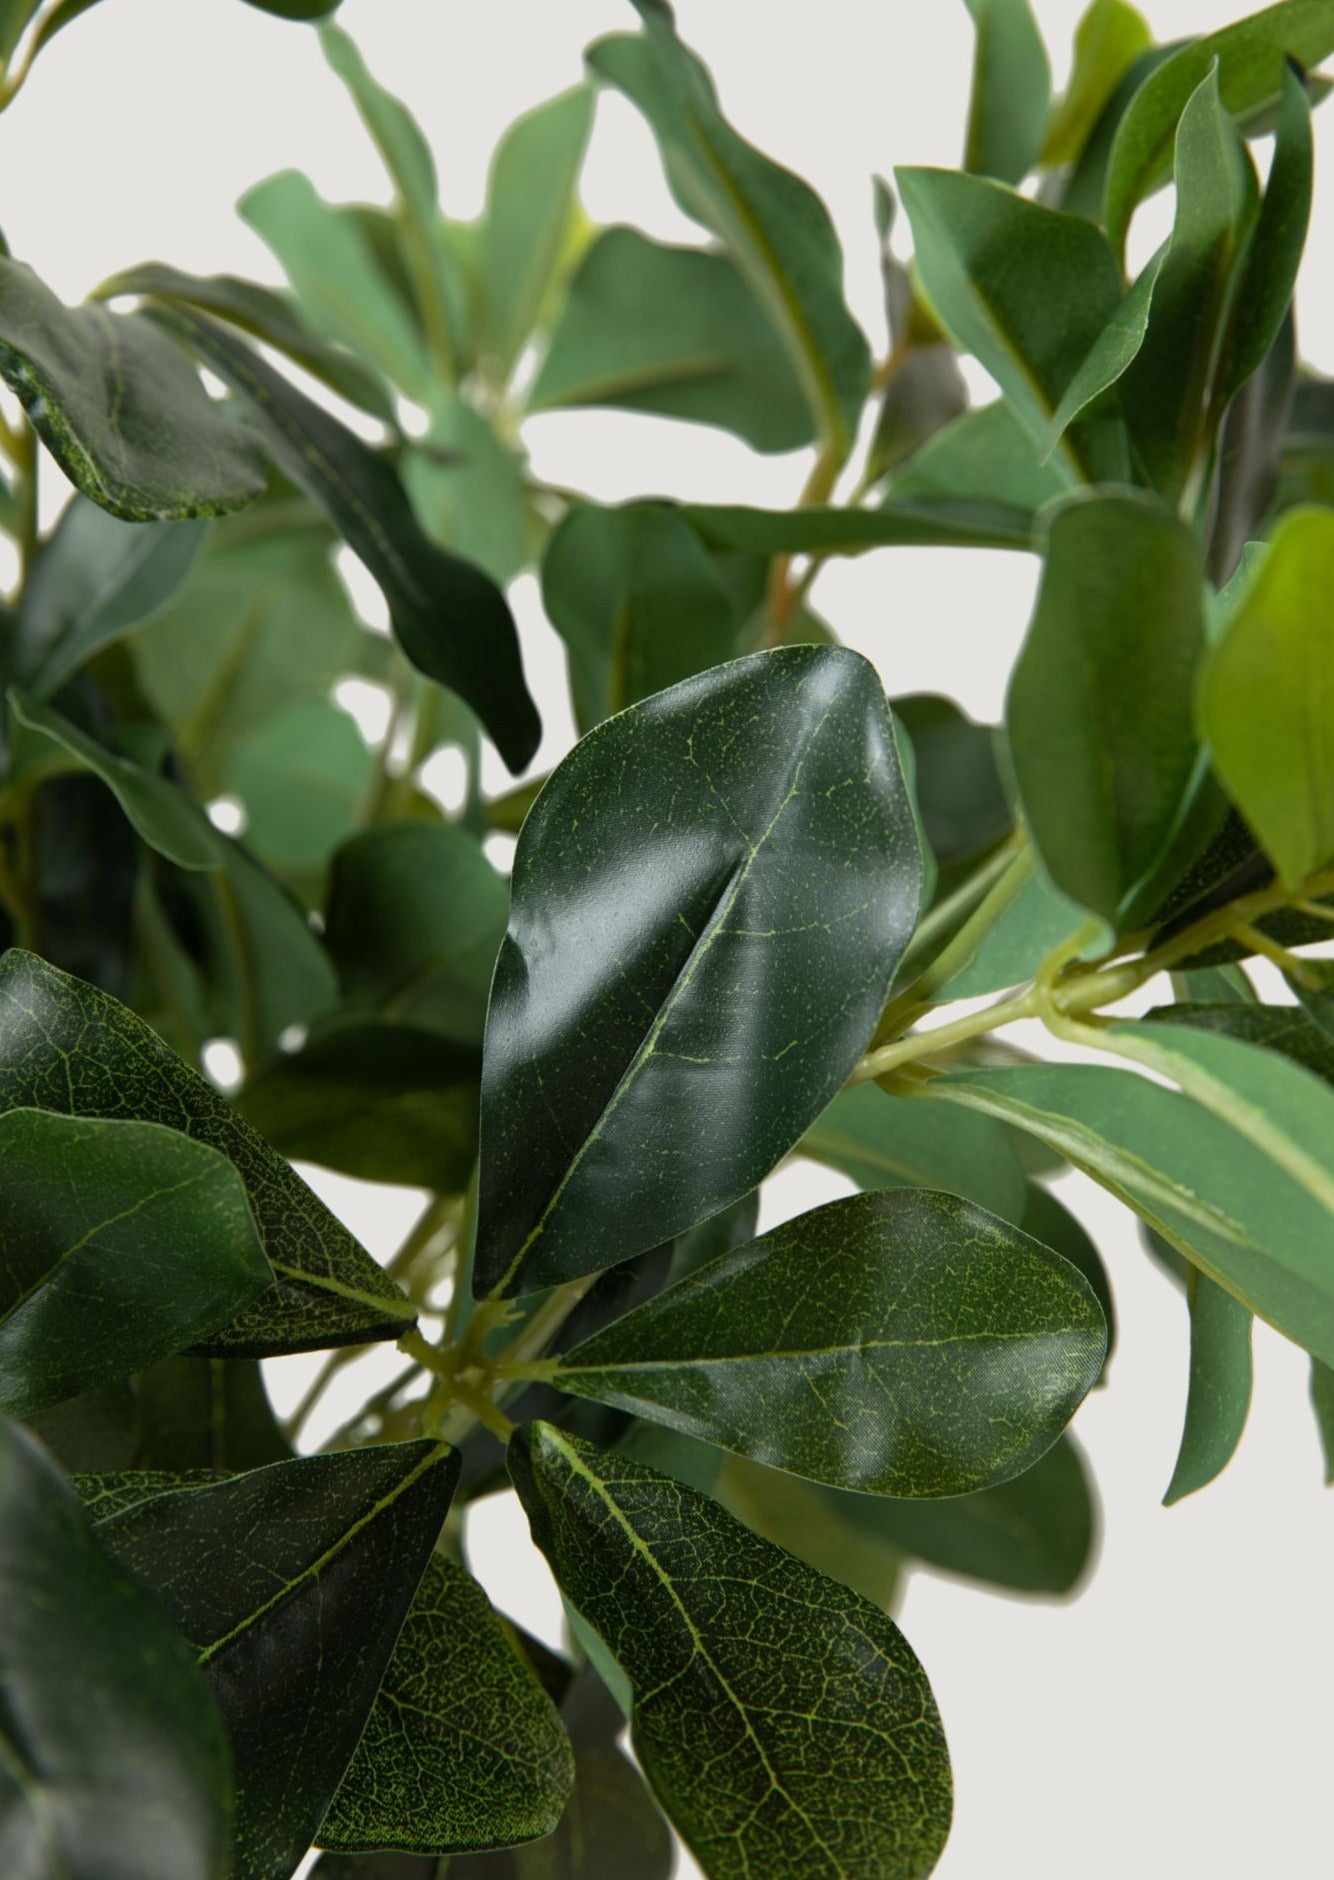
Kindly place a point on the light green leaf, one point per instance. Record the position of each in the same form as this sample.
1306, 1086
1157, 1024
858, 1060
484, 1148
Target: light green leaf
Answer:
1035, 921
66, 1047
462, 1749
1108, 40
1266, 697
719, 969
902, 1342
304, 777
673, 331
1011, 93
984, 457
121, 409
92, 1670
467, 488
879, 1141
775, 227
811, 1746
1219, 1395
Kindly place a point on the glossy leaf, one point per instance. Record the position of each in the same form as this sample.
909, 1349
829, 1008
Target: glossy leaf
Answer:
1108, 40
1251, 57
121, 409
673, 331
775, 227
68, 1048
1102, 761
292, 1584
1050, 1221
186, 1415
1266, 705
451, 621
120, 1243
462, 1749
879, 1141
810, 1717
1219, 1396
96, 580
1007, 115
93, 1669
901, 1342
719, 968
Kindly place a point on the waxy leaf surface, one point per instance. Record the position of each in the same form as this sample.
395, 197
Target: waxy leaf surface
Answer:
709, 900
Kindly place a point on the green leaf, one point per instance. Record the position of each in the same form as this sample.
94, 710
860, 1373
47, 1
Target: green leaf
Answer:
462, 1749
719, 970
775, 227
957, 781
1108, 40
1250, 466
901, 1342
1025, 289
414, 920
121, 409
1011, 94
673, 331
92, 1671
1048, 1220
451, 621
66, 1047
185, 1415
120, 1243
530, 203
943, 523
15, 16
96, 579
1266, 704
268, 316
1230, 1168
467, 488
1035, 921
1322, 1403
160, 811
926, 391
292, 1584
879, 1141
304, 777
336, 275
1219, 1396
985, 457
297, 9
810, 1720
1287, 1029
1273, 256
384, 1103
1251, 56
1111, 355
1102, 760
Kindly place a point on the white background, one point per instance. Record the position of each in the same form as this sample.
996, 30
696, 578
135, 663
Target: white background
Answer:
1174, 1719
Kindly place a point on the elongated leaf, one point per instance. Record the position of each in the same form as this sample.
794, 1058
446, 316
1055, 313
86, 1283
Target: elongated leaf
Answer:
986, 457
1264, 290
898, 1343
120, 1243
462, 1749
14, 18
1027, 290
1287, 1029
115, 1756
1111, 355
1009, 953
775, 227
1266, 698
1103, 761
1250, 461
292, 1584
467, 489
673, 331
926, 390
911, 523
1007, 115
450, 620
297, 9
1219, 1396
1322, 1403
68, 1048
96, 579
1251, 57
755, 880
880, 1141
1108, 40
810, 1718
121, 409
1050, 1221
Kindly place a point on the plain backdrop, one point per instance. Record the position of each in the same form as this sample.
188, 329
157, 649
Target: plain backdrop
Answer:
1173, 1720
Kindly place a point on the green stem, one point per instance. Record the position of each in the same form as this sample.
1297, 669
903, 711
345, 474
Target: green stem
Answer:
925, 1044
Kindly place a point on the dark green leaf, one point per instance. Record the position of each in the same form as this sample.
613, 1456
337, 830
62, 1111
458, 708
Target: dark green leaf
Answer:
901, 1342
957, 782
929, 523
1322, 1402
1102, 760
776, 228
1048, 1220
15, 16
710, 898
1219, 1396
1251, 57
1250, 463
115, 1491
462, 1749
610, 1829
530, 204
304, 778
121, 408
1265, 704
120, 1243
1287, 1029
96, 579
810, 1744
1108, 40
292, 1584
1111, 355
68, 1048
1007, 115
414, 920
879, 1141
1273, 256
115, 1756
986, 457
677, 332
297, 9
